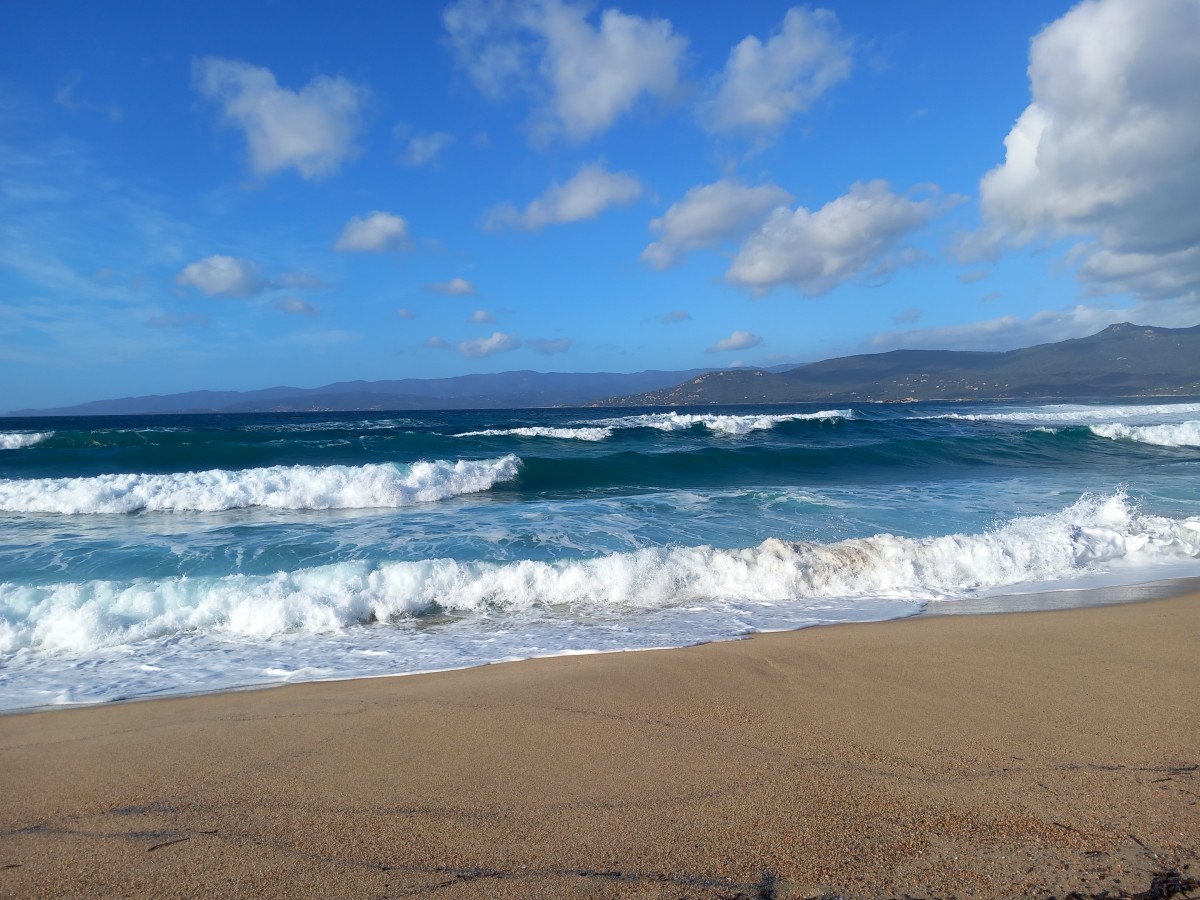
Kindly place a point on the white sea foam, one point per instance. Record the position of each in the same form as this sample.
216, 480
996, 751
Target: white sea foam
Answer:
670, 421
1079, 414
724, 424
1182, 434
539, 431
355, 425
1095, 534
275, 487
16, 440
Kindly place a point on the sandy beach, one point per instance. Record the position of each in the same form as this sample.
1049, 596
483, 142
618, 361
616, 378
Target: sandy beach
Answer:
1012, 755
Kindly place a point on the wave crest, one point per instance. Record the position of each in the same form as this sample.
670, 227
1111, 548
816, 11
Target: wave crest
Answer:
567, 434
1095, 534
274, 487
724, 424
1070, 414
17, 440
1183, 434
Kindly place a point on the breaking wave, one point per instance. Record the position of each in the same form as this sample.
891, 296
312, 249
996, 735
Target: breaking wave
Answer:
535, 431
17, 440
1183, 434
724, 424
1095, 534
1069, 414
274, 487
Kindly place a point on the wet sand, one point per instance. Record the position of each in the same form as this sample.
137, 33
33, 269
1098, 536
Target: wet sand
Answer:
1012, 755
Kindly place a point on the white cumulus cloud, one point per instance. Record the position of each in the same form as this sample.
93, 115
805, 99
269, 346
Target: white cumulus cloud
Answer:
455, 287
376, 232
739, 340
1107, 148
499, 342
708, 215
592, 190
588, 74
764, 84
227, 276
482, 317
313, 130
859, 232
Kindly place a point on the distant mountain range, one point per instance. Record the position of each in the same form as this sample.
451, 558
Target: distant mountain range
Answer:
507, 390
1121, 361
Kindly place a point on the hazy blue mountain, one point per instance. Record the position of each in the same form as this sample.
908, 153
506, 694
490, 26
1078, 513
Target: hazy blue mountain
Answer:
505, 390
1120, 361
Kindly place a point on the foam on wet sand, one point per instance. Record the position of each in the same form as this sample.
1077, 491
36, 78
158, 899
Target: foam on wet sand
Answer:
1026, 754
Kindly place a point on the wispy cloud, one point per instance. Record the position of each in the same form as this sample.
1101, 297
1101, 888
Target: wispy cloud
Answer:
548, 346
422, 148
455, 287
498, 342
739, 340
1046, 326
176, 320
294, 306
591, 191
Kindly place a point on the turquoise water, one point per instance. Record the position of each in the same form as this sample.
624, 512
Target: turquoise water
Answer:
168, 554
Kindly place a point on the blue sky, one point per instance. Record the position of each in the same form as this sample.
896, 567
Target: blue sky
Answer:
234, 196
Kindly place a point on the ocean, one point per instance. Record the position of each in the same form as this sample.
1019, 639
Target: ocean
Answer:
160, 555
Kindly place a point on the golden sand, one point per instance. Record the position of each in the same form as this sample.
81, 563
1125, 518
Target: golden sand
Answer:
1028, 754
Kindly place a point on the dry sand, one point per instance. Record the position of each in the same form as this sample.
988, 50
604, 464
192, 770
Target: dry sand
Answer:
1016, 755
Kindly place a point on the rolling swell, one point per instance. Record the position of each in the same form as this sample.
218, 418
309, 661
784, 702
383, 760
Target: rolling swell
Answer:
872, 457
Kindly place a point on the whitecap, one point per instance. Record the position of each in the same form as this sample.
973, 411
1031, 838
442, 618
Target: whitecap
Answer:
1182, 434
1092, 536
18, 440
274, 487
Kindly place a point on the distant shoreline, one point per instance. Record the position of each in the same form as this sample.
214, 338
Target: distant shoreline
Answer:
1091, 399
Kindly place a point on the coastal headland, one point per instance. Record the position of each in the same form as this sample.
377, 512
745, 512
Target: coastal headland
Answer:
1008, 755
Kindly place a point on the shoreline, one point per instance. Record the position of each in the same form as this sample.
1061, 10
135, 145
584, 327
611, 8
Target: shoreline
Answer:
990, 755
1000, 603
